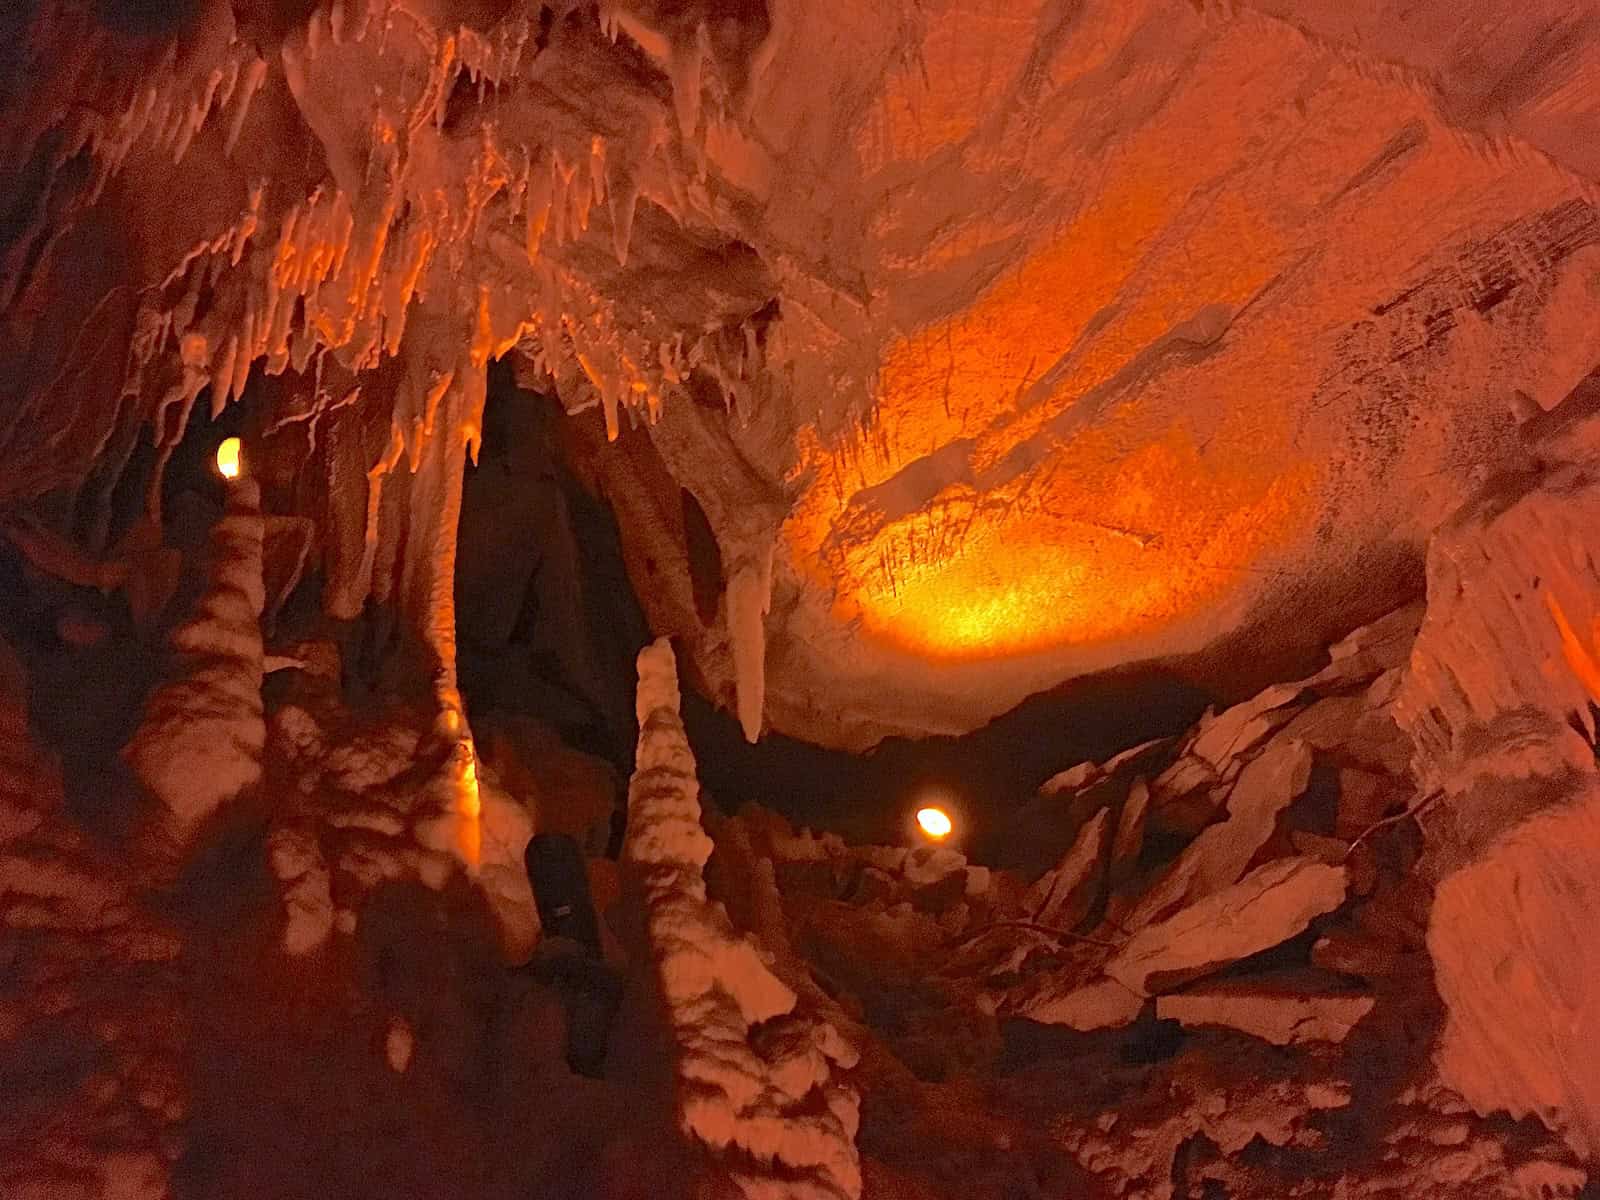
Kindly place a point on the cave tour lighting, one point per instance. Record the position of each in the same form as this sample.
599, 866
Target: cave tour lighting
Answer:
228, 460
935, 823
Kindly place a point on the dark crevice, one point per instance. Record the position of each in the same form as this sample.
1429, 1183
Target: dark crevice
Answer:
462, 103
148, 18
705, 559
704, 390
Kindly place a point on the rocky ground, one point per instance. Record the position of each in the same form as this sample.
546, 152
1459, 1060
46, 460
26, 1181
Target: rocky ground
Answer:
1220, 988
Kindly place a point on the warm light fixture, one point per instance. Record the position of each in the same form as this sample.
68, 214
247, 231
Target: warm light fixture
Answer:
228, 461
935, 823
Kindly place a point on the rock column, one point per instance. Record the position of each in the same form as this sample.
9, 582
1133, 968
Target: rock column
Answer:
757, 1083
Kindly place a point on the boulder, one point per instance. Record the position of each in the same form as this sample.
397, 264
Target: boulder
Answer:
1264, 790
1284, 1012
1221, 852
1266, 907
1103, 1004
1223, 739
1063, 897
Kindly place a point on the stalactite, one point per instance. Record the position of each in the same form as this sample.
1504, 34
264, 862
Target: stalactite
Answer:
748, 601
199, 744
769, 1109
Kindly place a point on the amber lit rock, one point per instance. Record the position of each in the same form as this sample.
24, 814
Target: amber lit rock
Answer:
1502, 573
1283, 1012
1104, 1004
1271, 904
1224, 739
1220, 853
200, 741
1129, 840
297, 863
757, 1075
1365, 798
1263, 790
1517, 965
1062, 897
913, 370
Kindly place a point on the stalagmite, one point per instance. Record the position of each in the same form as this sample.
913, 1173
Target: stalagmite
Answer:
767, 1107
199, 744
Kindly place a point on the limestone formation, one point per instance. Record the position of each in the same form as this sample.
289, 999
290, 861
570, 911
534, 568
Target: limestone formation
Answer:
1268, 906
755, 1077
199, 744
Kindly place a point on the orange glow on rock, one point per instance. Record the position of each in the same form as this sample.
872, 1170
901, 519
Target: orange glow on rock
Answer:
229, 461
1579, 659
1008, 499
1108, 542
468, 805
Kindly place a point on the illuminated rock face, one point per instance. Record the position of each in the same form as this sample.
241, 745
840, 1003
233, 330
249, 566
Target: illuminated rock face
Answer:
1051, 338
1157, 316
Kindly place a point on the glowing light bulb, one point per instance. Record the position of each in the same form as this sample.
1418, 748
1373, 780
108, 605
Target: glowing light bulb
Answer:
935, 822
228, 461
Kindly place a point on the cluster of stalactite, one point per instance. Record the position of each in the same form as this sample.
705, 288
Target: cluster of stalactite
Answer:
453, 213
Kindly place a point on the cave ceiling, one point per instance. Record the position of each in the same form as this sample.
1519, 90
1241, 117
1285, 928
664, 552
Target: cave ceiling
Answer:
999, 343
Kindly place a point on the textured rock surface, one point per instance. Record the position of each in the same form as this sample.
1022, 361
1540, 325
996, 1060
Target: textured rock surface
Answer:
1511, 571
1062, 897
1267, 786
200, 742
1268, 906
1499, 699
1104, 1004
91, 1031
377, 803
756, 1081
1282, 1013
1514, 953
929, 355
1516, 959
1051, 465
